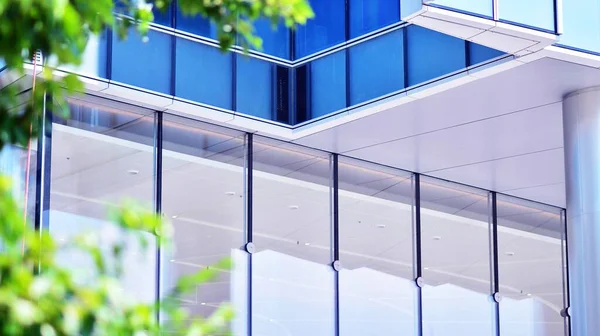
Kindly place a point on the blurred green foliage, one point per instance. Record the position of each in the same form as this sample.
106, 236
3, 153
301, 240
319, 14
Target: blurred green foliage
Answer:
39, 296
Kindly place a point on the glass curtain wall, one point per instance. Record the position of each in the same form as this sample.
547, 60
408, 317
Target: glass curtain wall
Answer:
455, 258
376, 284
102, 155
303, 210
293, 283
203, 174
530, 267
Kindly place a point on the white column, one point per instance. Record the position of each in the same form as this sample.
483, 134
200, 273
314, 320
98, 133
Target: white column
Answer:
581, 123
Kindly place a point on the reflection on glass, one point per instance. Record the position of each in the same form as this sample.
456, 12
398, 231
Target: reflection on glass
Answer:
292, 280
480, 7
101, 156
368, 15
196, 25
530, 268
376, 283
377, 67
533, 13
275, 40
581, 26
325, 30
254, 90
202, 195
479, 53
143, 64
432, 54
203, 73
455, 260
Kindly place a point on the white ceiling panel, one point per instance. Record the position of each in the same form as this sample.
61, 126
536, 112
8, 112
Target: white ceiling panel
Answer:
553, 194
490, 139
517, 175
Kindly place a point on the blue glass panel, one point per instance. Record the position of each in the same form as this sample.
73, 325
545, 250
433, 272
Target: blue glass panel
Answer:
369, 15
196, 25
203, 74
328, 84
146, 65
481, 7
581, 24
326, 29
479, 53
409, 7
162, 17
377, 67
253, 87
432, 54
534, 13
276, 41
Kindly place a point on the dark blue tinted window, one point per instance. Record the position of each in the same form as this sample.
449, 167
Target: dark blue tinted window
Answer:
163, 17
481, 7
143, 64
369, 15
328, 84
432, 54
203, 74
253, 87
479, 53
377, 67
534, 13
326, 29
276, 40
196, 25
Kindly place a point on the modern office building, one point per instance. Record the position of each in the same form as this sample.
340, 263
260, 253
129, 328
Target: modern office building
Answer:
394, 167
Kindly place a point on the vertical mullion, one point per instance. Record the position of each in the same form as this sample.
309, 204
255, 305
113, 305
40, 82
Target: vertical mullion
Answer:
417, 267
234, 57
248, 182
158, 145
173, 48
335, 227
494, 262
43, 170
565, 270
109, 48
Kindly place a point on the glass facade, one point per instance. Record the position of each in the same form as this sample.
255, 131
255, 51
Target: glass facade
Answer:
535, 14
322, 244
301, 75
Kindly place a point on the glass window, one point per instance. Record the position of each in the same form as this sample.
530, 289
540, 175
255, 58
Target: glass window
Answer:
479, 53
101, 156
326, 29
276, 40
328, 84
533, 13
203, 73
376, 284
254, 88
455, 252
203, 196
530, 268
163, 17
377, 67
581, 24
321, 87
368, 15
196, 25
143, 64
432, 54
292, 278
480, 7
